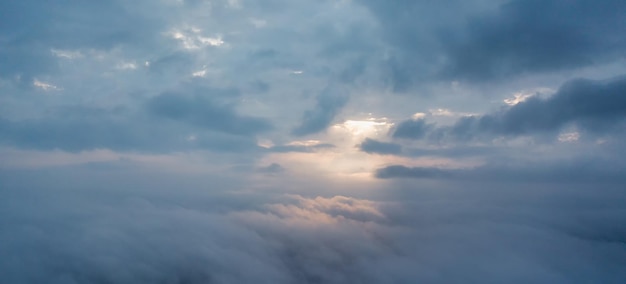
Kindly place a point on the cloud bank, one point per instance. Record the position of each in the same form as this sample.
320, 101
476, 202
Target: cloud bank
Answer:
281, 141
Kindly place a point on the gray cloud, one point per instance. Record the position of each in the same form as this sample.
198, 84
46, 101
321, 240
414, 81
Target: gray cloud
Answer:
299, 148
134, 159
376, 147
121, 235
201, 111
193, 123
560, 35
480, 41
80, 129
575, 170
273, 168
398, 171
412, 129
592, 106
328, 104
74, 24
372, 146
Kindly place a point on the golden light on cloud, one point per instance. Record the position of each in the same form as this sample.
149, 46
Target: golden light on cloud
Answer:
524, 95
305, 143
418, 115
369, 127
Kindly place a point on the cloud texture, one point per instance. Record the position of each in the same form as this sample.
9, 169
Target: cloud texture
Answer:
293, 141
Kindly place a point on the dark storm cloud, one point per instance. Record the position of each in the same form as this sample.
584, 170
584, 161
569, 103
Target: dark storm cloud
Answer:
377, 147
328, 104
413, 31
527, 36
201, 111
470, 40
592, 106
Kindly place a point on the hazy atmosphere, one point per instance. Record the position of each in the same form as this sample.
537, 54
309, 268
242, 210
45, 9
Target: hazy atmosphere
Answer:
312, 141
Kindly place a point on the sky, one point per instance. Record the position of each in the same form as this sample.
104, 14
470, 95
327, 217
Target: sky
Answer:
312, 141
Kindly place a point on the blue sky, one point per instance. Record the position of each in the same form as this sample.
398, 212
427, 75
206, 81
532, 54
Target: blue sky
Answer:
331, 141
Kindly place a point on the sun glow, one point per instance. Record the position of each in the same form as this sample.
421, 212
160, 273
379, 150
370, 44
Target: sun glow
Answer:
343, 161
305, 143
358, 128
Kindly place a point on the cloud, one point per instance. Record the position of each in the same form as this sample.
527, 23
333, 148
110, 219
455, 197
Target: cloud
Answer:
411, 129
300, 148
80, 128
328, 105
74, 25
152, 241
590, 105
372, 146
273, 168
560, 35
200, 110
397, 171
566, 171
151, 141
492, 40
76, 129
158, 236
376, 147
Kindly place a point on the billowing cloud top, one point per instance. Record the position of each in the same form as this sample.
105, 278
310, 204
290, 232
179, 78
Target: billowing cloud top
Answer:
334, 141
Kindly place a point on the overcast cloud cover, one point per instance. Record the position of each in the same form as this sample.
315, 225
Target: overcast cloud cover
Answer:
332, 141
